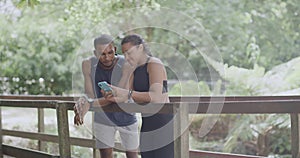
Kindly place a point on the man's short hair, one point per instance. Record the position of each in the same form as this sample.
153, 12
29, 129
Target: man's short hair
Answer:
103, 39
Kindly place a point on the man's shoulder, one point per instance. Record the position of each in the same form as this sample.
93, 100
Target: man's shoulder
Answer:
89, 59
121, 59
87, 62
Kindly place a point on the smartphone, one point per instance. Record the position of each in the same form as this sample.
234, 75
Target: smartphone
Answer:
104, 86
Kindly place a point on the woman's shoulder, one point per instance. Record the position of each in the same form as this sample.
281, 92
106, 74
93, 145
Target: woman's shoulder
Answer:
155, 60
155, 64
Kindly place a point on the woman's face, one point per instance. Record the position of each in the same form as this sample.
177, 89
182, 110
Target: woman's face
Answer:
132, 53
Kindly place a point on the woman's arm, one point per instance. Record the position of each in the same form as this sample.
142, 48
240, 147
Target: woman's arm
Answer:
127, 75
157, 74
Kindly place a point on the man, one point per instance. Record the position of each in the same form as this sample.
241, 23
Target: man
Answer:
106, 66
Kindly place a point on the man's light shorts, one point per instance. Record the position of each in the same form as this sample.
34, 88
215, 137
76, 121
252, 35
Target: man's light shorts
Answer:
105, 136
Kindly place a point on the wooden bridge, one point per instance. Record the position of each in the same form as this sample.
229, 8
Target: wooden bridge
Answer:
180, 106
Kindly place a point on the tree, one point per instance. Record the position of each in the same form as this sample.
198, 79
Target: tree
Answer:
247, 33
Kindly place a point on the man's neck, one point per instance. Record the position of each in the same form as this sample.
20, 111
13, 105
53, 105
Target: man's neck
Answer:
109, 67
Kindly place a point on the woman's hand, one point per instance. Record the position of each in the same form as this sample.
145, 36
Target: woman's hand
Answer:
119, 95
127, 68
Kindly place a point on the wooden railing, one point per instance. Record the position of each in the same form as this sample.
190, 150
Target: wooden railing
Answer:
180, 106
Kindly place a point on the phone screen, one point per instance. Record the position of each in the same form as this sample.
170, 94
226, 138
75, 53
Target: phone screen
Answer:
104, 86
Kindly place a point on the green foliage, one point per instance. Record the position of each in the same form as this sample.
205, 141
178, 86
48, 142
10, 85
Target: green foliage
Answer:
190, 88
258, 131
36, 52
247, 33
41, 44
273, 24
30, 3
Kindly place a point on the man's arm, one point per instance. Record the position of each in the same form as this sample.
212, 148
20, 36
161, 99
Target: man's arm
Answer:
82, 106
88, 84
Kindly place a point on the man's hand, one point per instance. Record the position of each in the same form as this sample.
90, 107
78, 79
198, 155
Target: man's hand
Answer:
80, 109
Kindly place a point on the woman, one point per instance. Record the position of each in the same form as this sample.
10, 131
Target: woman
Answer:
146, 80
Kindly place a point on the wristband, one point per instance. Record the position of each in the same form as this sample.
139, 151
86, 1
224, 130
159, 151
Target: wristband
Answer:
89, 100
130, 96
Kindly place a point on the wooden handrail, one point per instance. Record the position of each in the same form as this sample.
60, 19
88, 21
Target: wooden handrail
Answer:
193, 105
248, 106
172, 98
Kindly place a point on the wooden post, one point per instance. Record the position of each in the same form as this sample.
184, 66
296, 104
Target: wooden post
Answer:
96, 152
295, 135
181, 130
63, 131
1, 136
41, 128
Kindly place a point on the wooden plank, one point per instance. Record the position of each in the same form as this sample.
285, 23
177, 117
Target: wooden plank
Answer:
31, 135
254, 106
208, 154
229, 107
38, 97
25, 153
228, 98
1, 135
28, 103
271, 106
181, 132
83, 142
41, 128
249, 107
63, 131
96, 152
295, 133
172, 98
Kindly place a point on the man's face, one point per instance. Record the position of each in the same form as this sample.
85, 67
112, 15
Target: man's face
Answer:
105, 53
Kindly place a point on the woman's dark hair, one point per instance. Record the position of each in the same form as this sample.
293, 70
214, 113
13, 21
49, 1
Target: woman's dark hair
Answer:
135, 40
